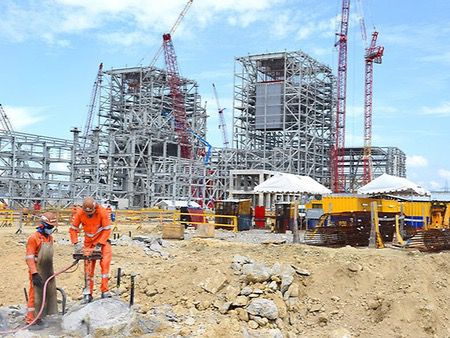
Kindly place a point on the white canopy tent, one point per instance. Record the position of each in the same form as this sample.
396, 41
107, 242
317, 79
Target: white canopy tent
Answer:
291, 184
388, 184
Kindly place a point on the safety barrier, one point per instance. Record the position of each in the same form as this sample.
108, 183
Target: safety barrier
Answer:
6, 218
177, 218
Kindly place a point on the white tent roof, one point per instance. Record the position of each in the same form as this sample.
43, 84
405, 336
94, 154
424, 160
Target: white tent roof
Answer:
388, 184
294, 184
178, 204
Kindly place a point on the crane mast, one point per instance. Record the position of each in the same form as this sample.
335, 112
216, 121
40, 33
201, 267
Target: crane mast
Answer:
178, 104
337, 157
373, 55
92, 104
5, 123
222, 124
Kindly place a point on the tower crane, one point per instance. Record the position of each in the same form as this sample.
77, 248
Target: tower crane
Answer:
372, 55
337, 158
5, 123
173, 74
222, 124
92, 104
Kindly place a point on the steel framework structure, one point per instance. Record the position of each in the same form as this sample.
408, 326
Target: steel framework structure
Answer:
136, 150
282, 116
34, 167
389, 160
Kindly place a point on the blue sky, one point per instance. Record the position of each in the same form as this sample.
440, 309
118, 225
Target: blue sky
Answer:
51, 50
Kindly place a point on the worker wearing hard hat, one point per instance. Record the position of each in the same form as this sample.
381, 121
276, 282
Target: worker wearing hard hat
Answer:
97, 229
48, 223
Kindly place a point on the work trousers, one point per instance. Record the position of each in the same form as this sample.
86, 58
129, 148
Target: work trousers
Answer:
105, 263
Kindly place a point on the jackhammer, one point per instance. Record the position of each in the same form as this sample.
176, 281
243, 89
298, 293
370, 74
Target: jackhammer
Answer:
88, 256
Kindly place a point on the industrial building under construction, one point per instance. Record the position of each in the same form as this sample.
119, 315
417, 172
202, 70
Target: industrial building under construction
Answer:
283, 119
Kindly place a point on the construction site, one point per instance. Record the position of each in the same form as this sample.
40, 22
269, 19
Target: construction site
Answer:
284, 231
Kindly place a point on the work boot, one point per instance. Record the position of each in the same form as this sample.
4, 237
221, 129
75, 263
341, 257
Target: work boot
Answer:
106, 294
87, 299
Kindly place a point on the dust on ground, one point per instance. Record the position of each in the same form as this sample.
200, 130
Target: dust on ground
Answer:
192, 287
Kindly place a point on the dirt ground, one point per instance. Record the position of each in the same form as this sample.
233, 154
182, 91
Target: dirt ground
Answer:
349, 292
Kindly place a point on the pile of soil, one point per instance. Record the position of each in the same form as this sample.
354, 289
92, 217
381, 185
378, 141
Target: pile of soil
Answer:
193, 288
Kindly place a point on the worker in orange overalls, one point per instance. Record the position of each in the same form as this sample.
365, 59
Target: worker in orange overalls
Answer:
97, 229
34, 243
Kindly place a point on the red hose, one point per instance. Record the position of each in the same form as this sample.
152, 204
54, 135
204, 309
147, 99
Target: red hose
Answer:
44, 294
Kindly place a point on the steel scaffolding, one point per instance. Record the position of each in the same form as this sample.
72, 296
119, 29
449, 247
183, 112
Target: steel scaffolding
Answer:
283, 114
37, 168
135, 150
389, 160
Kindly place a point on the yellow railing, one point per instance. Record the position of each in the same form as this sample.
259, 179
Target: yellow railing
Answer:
6, 218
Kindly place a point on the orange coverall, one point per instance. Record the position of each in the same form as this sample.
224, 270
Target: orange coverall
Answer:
97, 230
33, 247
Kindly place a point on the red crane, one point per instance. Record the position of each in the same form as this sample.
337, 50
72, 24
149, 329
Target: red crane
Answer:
178, 104
222, 124
337, 156
373, 55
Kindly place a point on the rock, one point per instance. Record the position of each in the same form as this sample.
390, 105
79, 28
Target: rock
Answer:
252, 324
340, 333
291, 303
240, 301
263, 308
273, 285
241, 260
316, 308
292, 291
231, 292
215, 283
279, 323
242, 314
262, 333
286, 273
256, 272
107, 316
151, 291
184, 332
354, 267
246, 291
275, 279
301, 272
261, 320
281, 306
189, 321
322, 320
236, 267
223, 308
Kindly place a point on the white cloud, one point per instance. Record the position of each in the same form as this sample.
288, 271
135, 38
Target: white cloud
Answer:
444, 173
442, 110
416, 161
52, 21
21, 117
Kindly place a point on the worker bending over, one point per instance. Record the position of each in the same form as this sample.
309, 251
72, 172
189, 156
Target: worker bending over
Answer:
41, 237
97, 229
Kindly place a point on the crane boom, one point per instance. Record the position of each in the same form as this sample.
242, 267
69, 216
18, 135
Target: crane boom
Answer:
5, 123
337, 157
92, 104
222, 124
373, 55
171, 31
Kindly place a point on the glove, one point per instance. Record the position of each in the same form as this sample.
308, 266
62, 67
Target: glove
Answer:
98, 247
37, 280
77, 247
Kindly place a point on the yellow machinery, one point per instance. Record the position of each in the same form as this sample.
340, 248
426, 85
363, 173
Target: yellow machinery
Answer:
359, 221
